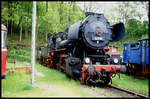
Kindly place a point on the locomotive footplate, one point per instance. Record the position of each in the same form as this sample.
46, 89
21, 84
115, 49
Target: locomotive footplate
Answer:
102, 71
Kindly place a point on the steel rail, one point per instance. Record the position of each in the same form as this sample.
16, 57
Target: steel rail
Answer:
129, 91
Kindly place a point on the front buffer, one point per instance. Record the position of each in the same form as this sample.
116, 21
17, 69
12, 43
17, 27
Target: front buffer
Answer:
100, 73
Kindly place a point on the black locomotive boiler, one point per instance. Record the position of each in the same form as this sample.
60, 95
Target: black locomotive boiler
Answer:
79, 50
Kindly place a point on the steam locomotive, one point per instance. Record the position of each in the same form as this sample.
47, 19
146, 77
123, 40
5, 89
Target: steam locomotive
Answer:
80, 51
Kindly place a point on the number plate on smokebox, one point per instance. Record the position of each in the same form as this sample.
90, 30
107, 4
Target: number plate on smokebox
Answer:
97, 38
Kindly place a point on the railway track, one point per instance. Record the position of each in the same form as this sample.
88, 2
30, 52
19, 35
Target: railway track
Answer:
112, 91
129, 91
101, 90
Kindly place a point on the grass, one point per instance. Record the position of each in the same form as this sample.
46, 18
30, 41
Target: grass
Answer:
55, 77
13, 83
140, 85
52, 83
18, 84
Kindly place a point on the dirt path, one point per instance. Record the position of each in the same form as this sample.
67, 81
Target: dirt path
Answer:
61, 90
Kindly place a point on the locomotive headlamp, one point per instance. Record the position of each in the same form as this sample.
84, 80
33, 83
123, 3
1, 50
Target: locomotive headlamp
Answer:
87, 60
116, 60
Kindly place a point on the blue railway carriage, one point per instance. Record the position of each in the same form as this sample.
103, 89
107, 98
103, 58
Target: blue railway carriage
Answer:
136, 57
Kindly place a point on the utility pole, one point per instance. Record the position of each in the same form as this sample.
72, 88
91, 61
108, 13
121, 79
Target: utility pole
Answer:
33, 42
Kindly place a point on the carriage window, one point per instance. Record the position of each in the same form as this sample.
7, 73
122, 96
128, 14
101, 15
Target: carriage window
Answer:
3, 39
133, 45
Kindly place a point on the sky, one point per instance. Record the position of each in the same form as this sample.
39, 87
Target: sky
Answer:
104, 7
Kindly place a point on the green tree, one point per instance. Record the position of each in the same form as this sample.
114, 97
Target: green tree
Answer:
52, 17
